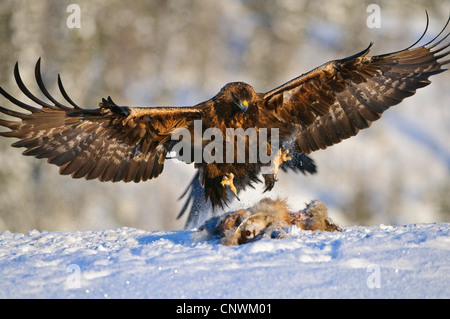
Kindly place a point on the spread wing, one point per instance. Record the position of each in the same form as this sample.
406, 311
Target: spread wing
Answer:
111, 143
334, 101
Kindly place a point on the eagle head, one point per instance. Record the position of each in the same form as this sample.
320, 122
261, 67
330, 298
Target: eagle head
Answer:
237, 95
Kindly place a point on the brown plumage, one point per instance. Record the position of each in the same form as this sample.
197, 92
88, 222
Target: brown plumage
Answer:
313, 111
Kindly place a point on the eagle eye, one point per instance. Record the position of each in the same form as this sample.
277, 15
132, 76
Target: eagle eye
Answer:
243, 105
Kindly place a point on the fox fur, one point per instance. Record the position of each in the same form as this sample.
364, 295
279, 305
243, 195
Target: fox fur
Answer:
266, 217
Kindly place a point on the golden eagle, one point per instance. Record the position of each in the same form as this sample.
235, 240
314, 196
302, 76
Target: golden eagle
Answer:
313, 111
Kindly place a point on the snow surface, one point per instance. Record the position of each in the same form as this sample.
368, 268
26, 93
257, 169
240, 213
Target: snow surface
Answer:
411, 261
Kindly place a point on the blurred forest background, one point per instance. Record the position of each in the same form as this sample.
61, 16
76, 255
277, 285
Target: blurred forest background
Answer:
174, 52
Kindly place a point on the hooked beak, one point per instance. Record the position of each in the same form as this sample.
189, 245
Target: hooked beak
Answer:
243, 106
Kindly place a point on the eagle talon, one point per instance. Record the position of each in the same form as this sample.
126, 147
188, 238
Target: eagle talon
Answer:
279, 159
227, 180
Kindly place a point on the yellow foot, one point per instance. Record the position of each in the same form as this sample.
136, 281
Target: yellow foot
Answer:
227, 180
279, 159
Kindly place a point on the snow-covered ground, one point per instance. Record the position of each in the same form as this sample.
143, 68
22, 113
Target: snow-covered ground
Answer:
411, 261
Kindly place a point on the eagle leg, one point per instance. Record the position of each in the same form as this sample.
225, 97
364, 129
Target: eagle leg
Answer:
270, 179
227, 180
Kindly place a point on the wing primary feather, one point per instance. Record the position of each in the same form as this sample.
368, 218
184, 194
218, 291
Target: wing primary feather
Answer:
440, 56
9, 124
24, 89
27, 107
357, 55
441, 48
38, 76
423, 34
437, 36
65, 95
412, 45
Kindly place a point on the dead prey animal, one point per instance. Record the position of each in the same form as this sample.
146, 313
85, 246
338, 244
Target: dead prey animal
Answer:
268, 218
